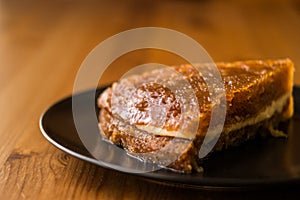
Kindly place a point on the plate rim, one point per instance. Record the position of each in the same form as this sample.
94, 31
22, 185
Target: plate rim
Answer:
205, 182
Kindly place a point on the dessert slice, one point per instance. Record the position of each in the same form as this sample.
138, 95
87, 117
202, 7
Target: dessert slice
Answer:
144, 116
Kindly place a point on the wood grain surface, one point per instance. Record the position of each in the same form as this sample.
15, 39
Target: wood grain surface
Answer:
42, 45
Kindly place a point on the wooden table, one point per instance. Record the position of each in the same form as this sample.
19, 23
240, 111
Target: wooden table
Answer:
42, 45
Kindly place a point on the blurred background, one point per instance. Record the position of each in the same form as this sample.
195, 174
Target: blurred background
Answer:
51, 38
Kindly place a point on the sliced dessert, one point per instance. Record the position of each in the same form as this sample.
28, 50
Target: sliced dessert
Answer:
144, 116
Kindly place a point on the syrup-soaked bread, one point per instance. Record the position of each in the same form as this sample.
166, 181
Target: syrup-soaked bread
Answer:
258, 97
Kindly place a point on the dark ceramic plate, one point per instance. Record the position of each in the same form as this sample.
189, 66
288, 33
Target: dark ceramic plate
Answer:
258, 163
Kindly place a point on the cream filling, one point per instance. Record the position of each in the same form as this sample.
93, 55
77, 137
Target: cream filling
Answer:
163, 132
276, 106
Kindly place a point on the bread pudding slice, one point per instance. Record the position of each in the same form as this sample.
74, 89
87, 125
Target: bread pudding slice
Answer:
258, 96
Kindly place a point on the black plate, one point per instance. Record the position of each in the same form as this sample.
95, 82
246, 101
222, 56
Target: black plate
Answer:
258, 163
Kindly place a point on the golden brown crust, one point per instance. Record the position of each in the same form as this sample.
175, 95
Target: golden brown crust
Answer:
250, 86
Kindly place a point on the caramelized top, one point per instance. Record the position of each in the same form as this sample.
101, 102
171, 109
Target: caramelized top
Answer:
164, 97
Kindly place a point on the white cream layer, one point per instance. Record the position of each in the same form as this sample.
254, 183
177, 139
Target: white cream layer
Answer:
276, 106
